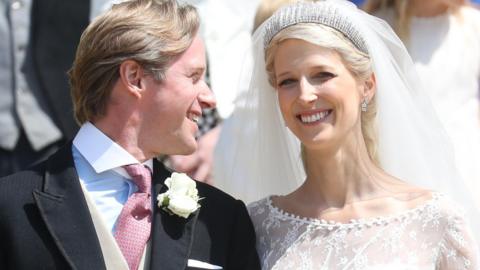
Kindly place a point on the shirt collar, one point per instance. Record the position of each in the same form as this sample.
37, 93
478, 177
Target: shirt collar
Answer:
102, 153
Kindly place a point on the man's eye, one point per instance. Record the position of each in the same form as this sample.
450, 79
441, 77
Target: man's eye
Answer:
195, 77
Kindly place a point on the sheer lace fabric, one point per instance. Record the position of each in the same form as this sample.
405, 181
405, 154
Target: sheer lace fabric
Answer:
433, 235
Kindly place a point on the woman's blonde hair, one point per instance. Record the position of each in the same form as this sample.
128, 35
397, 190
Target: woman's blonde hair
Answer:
357, 62
150, 32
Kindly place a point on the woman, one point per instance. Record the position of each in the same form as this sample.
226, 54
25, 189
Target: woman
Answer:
339, 86
443, 38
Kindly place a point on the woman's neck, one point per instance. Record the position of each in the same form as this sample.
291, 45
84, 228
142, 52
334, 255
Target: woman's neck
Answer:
343, 183
339, 178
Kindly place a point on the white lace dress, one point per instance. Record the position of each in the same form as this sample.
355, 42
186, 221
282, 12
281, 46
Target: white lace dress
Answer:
433, 235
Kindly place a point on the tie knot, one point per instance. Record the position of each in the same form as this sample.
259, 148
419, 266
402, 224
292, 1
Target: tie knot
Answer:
141, 175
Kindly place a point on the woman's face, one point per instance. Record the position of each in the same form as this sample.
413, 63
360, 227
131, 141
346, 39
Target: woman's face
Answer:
319, 98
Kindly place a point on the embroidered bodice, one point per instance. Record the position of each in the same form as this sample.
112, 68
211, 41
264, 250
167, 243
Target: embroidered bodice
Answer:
433, 235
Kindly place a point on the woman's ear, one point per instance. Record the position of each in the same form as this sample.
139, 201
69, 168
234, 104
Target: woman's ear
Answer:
370, 87
131, 75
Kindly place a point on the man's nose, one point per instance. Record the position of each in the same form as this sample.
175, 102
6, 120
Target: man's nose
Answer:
206, 98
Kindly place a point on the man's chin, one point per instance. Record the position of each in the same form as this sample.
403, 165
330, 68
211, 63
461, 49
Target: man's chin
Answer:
188, 149
184, 149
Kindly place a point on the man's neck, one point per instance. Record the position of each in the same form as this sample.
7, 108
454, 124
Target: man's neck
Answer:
125, 136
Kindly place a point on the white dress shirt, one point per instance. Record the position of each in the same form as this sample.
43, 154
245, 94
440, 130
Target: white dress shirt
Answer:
99, 162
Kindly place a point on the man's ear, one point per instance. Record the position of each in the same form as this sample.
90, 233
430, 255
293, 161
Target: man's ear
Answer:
131, 75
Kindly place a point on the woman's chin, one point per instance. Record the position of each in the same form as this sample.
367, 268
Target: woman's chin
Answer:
315, 140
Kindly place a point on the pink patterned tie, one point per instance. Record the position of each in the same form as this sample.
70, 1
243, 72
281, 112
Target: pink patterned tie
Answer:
133, 224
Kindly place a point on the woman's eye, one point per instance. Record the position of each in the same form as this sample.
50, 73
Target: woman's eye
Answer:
323, 76
286, 83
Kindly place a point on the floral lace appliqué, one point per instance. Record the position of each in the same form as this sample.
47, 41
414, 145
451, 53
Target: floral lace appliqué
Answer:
431, 236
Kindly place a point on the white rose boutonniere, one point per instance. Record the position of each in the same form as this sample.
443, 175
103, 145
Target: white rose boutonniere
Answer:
182, 196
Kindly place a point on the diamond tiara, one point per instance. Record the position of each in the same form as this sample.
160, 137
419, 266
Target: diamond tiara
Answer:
313, 12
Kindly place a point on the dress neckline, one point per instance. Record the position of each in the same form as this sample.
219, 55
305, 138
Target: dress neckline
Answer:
358, 222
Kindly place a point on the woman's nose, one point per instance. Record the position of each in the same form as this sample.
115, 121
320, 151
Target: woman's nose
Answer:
307, 93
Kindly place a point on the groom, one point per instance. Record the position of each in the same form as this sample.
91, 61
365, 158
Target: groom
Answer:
138, 90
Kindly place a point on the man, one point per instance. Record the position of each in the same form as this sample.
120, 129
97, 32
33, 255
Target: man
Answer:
138, 90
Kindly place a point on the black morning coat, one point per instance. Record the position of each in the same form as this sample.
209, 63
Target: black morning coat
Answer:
45, 224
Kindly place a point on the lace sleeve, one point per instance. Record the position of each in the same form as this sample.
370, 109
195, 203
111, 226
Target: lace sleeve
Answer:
458, 249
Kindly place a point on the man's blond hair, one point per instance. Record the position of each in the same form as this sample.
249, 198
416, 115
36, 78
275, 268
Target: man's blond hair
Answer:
149, 32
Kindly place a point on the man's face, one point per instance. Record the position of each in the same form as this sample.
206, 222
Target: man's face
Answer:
171, 108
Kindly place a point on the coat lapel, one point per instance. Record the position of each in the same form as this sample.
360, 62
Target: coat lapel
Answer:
63, 208
172, 236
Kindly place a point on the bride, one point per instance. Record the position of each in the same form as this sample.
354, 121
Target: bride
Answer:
338, 126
